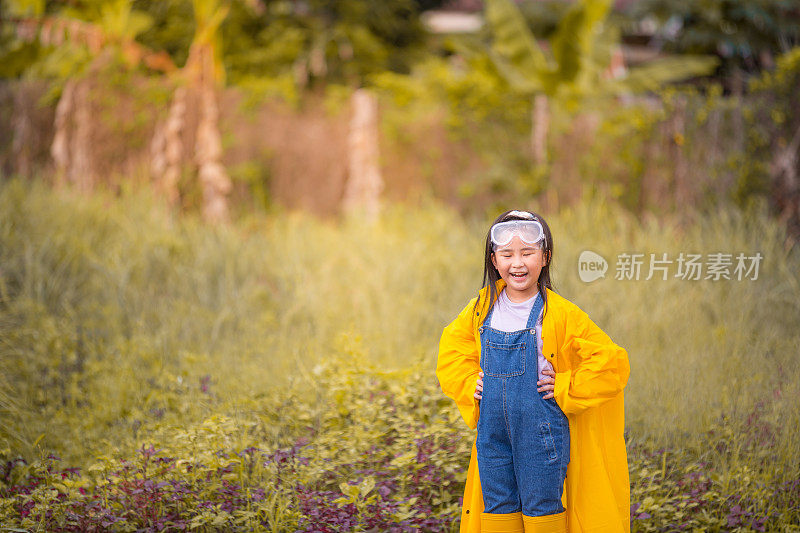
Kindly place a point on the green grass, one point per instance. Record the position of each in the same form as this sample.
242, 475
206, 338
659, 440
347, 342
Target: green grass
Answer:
121, 325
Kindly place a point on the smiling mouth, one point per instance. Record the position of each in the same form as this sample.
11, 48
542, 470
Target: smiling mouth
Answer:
522, 275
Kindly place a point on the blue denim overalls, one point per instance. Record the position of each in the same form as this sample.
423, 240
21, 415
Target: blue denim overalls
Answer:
523, 440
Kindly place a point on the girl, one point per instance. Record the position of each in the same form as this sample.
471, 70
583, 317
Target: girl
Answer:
543, 385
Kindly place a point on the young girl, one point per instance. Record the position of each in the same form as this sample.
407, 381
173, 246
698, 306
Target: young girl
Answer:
543, 385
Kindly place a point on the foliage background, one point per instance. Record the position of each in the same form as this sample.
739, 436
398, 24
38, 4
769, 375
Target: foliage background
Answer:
277, 372
208, 376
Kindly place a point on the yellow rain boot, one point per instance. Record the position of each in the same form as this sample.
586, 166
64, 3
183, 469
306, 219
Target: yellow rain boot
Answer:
553, 523
502, 523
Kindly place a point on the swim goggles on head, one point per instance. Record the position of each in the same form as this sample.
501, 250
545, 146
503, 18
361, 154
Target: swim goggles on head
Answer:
529, 231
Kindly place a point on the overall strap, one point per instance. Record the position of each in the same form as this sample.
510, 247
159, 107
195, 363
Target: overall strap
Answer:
487, 321
538, 304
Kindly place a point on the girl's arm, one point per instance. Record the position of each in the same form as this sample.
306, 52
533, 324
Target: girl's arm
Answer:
600, 368
459, 363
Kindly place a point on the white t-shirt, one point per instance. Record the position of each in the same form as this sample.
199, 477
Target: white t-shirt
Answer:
513, 316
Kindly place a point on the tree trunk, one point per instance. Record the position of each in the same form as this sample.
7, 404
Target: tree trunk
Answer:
80, 173
540, 121
683, 195
59, 150
364, 182
785, 178
214, 180
167, 148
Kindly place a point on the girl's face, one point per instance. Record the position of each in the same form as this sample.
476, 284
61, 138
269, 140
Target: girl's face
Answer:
519, 264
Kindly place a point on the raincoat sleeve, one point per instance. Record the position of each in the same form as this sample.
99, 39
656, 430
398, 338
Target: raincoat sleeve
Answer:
599, 369
459, 363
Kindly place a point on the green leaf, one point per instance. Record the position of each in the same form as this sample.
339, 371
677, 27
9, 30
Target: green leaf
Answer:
366, 486
576, 37
656, 73
517, 79
351, 491
513, 41
118, 19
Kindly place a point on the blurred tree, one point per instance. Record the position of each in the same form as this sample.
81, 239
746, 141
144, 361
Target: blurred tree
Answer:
770, 163
198, 85
172, 29
575, 67
528, 69
543, 16
91, 33
61, 43
205, 73
341, 41
745, 34
51, 40
314, 41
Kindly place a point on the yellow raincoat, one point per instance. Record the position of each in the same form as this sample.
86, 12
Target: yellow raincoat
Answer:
591, 372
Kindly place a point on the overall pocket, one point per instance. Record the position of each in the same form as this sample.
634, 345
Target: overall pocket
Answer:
504, 360
548, 442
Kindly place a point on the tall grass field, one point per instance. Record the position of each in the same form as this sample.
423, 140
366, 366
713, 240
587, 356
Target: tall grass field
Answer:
278, 373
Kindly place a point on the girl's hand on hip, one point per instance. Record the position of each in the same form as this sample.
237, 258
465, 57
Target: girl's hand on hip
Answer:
547, 384
479, 386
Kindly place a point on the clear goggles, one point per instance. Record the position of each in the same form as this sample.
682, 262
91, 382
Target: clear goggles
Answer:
529, 232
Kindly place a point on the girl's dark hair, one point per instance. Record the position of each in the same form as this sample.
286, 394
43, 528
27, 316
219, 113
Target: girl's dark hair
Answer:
490, 274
